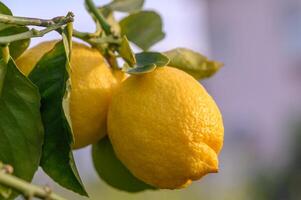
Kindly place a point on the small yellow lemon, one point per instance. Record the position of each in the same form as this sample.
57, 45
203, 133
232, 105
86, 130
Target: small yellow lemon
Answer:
92, 83
165, 128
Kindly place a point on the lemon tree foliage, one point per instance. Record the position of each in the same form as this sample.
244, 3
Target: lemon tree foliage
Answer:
17, 47
147, 62
57, 158
193, 63
143, 28
140, 70
112, 171
21, 130
145, 58
109, 15
4, 10
125, 5
126, 52
5, 192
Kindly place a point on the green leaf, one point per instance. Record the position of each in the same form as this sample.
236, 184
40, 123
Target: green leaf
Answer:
193, 63
3, 71
147, 62
126, 52
5, 192
67, 41
146, 58
141, 70
143, 28
18, 47
112, 171
21, 130
4, 10
125, 5
50, 75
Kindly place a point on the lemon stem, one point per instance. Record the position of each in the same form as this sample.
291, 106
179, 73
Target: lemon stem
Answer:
99, 17
85, 35
112, 39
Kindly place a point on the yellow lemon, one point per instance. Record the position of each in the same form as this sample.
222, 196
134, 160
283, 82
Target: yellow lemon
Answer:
165, 128
92, 83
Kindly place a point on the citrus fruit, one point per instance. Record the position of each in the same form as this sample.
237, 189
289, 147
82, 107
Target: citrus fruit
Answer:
92, 82
165, 128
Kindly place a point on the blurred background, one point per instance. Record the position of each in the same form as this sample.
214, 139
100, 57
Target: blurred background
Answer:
258, 92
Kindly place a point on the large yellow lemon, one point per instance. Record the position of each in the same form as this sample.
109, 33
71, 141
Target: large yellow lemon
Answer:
165, 128
92, 83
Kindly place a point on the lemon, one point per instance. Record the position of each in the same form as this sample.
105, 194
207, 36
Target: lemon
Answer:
165, 128
92, 83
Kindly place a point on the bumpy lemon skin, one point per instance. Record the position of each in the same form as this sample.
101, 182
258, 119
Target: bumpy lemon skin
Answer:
92, 83
165, 128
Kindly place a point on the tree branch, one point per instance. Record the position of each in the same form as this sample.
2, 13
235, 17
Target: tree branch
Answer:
51, 25
27, 189
26, 35
85, 35
26, 21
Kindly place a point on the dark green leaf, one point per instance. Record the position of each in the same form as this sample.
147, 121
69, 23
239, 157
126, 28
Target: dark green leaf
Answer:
3, 71
4, 9
126, 52
146, 58
125, 5
143, 28
21, 130
141, 70
147, 62
112, 171
18, 47
50, 75
193, 63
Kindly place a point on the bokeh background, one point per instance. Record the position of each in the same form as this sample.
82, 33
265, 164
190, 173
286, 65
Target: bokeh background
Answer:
258, 92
